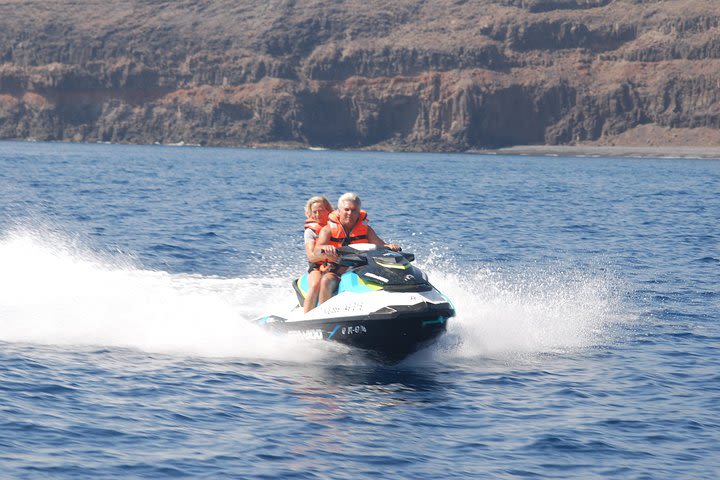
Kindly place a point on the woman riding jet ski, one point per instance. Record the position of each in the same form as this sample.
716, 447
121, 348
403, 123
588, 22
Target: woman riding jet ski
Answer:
383, 303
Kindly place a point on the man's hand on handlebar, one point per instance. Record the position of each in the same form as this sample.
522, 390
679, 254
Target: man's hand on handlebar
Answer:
330, 253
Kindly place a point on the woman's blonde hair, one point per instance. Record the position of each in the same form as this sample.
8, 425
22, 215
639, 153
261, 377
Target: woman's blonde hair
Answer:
317, 199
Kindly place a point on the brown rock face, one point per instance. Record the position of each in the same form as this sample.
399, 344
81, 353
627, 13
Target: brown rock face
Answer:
436, 75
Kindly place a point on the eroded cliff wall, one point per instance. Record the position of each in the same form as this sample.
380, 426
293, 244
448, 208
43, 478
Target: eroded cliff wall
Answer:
439, 75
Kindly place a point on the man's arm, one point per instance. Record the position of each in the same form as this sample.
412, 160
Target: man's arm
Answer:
323, 251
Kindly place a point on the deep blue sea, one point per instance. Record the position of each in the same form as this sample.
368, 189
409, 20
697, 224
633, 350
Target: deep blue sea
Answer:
586, 343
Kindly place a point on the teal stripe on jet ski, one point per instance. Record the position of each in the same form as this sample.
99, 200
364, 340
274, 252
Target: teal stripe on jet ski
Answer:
337, 327
425, 323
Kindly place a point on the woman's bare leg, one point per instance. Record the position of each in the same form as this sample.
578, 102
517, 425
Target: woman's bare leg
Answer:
311, 297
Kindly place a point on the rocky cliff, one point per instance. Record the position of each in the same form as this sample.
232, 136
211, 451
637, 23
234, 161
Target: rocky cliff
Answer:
436, 74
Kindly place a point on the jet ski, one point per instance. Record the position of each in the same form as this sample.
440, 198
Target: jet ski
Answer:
384, 305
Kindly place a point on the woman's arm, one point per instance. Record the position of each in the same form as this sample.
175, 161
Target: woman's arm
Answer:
310, 241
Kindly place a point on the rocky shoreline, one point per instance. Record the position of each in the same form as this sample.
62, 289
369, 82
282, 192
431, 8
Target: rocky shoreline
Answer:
705, 153
580, 151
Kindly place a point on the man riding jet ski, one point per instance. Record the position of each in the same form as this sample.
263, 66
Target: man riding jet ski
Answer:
383, 303
345, 226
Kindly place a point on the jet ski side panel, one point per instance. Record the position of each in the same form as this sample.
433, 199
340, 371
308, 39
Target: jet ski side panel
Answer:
392, 333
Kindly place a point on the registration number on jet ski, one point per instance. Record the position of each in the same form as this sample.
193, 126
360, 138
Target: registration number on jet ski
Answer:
349, 307
353, 330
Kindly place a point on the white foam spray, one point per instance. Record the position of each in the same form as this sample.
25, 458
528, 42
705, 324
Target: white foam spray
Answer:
55, 292
513, 315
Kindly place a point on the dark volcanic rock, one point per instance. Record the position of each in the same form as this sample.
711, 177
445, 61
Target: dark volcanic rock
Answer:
439, 75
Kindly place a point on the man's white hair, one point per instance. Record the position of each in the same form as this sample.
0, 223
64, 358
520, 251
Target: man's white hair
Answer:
349, 197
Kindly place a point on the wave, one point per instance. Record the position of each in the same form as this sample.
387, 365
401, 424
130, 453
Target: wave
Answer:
57, 292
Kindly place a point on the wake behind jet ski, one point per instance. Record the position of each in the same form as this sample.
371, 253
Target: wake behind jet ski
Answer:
383, 305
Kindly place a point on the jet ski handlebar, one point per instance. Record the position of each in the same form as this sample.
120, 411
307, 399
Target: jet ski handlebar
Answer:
355, 257
347, 251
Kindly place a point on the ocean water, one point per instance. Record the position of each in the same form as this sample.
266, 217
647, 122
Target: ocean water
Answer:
586, 342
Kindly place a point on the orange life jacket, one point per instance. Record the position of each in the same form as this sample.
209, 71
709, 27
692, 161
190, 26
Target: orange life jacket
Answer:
339, 237
314, 226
